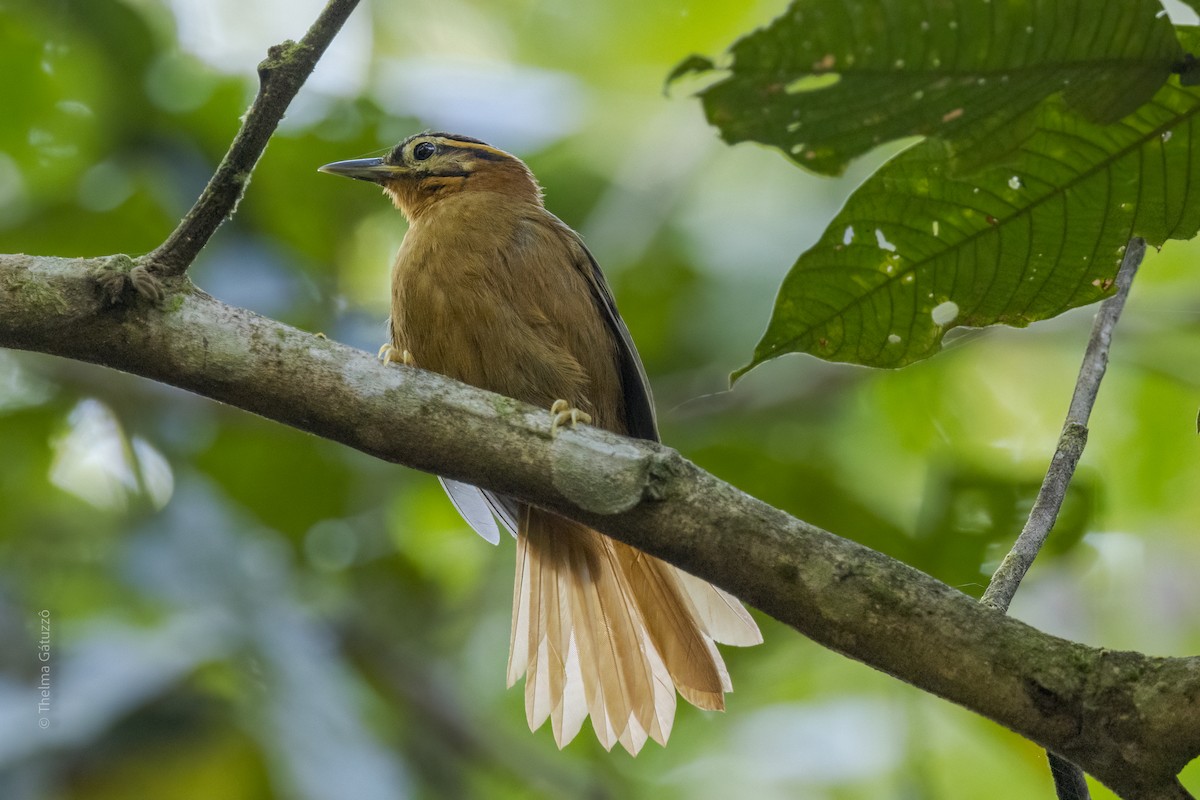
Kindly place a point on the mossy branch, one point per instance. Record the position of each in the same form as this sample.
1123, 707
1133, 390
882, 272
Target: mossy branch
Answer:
1131, 720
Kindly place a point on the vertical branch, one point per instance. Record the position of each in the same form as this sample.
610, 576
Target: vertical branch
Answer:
1069, 781
1049, 500
281, 75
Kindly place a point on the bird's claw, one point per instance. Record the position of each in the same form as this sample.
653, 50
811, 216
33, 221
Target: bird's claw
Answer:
390, 355
564, 413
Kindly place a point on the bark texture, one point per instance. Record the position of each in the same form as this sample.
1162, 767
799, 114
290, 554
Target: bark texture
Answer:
1131, 720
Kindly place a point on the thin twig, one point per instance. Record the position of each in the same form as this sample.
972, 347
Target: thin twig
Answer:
281, 75
1069, 780
1049, 500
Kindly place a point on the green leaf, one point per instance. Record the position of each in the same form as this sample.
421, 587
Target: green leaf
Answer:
832, 79
917, 251
693, 64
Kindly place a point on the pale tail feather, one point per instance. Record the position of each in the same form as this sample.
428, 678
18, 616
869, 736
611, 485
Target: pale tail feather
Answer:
601, 629
617, 675
542, 644
474, 508
664, 694
574, 699
480, 509
670, 619
724, 617
518, 642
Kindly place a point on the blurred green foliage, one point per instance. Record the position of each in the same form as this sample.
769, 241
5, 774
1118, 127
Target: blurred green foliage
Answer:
235, 609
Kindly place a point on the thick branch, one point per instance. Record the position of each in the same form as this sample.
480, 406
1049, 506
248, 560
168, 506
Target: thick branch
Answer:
280, 77
1131, 720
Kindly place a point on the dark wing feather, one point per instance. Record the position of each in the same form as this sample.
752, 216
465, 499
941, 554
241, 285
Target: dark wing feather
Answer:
506, 508
640, 419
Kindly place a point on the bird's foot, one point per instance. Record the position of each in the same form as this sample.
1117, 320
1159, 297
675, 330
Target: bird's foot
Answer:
564, 413
120, 273
390, 355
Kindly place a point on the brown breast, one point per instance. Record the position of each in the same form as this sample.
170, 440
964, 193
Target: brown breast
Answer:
495, 294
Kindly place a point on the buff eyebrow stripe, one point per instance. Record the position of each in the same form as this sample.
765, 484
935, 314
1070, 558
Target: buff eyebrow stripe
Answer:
454, 137
485, 152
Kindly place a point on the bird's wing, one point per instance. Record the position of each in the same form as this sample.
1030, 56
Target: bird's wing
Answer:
472, 503
477, 507
640, 420
504, 507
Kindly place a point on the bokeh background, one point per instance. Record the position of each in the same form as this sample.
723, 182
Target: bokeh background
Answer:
233, 609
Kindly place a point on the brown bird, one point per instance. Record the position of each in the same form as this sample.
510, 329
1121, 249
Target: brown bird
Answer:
493, 290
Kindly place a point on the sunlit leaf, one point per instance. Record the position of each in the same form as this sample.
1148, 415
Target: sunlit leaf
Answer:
917, 251
830, 79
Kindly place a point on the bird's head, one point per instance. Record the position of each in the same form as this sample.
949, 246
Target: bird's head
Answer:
429, 167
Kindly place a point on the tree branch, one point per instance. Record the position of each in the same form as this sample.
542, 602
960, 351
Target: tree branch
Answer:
1008, 576
1131, 720
1069, 782
280, 77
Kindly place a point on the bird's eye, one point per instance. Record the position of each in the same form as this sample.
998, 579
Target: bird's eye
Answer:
423, 151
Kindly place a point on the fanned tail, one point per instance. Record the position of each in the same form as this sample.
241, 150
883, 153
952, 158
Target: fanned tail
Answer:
604, 630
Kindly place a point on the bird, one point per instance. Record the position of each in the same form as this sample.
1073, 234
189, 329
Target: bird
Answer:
491, 289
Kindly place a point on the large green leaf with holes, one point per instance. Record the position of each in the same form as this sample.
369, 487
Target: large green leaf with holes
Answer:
918, 250
831, 79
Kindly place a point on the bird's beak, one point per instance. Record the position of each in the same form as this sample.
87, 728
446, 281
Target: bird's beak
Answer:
363, 169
